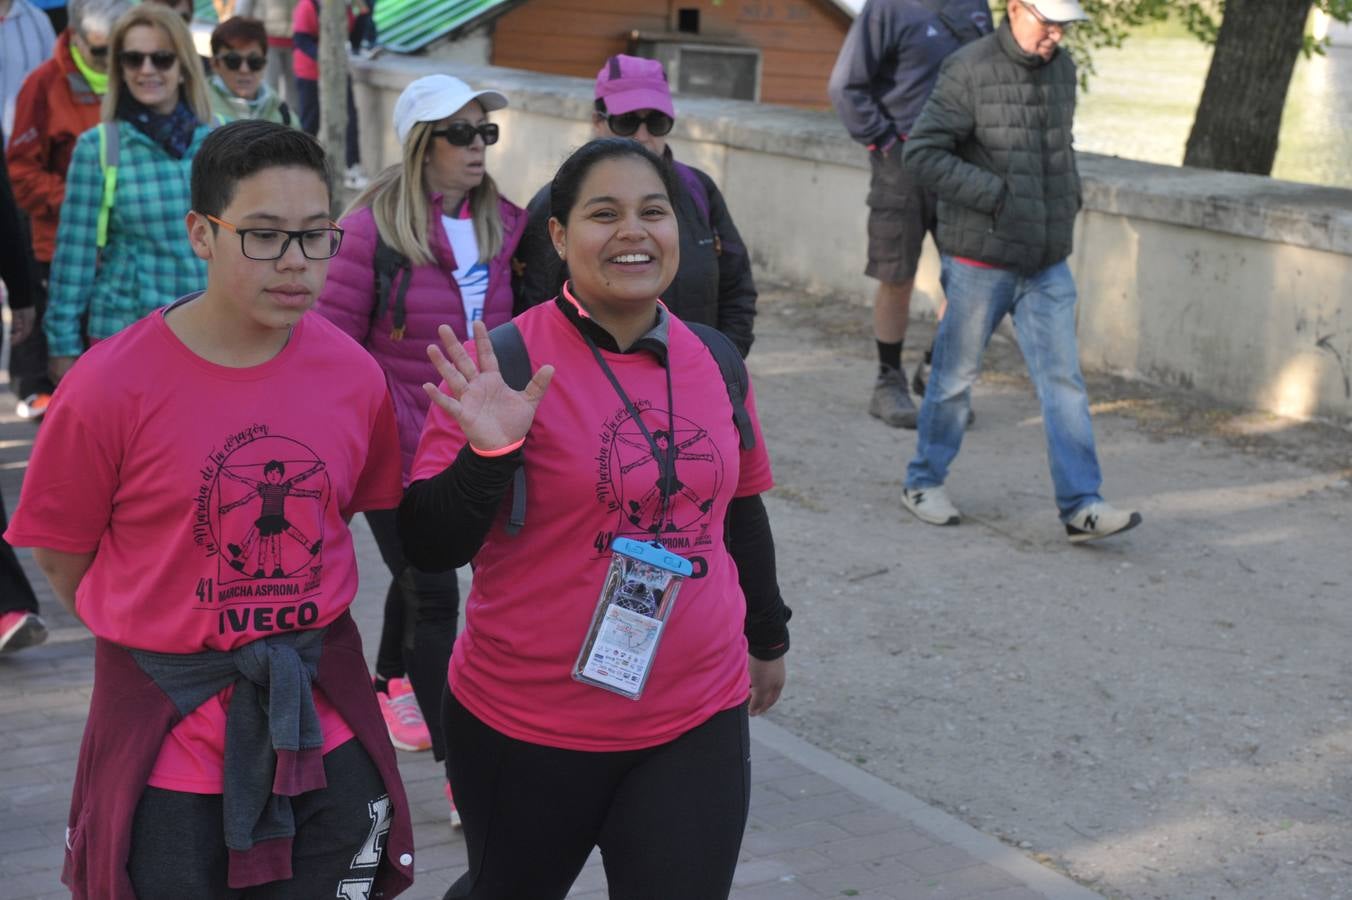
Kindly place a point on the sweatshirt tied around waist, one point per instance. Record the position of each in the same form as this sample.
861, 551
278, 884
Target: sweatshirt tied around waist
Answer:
273, 739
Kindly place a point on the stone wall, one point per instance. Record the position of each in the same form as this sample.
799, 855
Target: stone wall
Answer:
1234, 285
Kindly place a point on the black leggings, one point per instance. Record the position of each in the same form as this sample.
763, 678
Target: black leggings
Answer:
16, 594
668, 819
421, 613
178, 839
28, 361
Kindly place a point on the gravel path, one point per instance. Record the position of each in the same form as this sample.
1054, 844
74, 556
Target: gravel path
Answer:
1162, 715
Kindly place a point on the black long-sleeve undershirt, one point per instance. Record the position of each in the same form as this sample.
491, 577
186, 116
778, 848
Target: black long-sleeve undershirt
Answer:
443, 521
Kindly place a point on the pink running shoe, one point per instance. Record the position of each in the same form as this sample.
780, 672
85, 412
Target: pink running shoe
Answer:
20, 629
403, 719
455, 813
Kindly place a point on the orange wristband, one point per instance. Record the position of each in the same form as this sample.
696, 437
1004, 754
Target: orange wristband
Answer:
501, 451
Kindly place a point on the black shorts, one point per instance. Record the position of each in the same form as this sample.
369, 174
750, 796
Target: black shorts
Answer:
899, 214
269, 525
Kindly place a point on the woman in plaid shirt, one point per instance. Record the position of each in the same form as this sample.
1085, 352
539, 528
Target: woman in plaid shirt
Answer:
158, 106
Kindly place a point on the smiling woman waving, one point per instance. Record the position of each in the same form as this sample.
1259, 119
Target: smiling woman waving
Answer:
591, 702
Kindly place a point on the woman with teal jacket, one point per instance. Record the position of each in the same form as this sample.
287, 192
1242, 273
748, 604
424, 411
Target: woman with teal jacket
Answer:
119, 246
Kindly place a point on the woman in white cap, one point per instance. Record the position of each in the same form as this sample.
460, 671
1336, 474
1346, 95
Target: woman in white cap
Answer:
439, 239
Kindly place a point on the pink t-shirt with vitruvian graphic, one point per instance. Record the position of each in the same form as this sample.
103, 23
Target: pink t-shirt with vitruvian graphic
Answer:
215, 500
591, 477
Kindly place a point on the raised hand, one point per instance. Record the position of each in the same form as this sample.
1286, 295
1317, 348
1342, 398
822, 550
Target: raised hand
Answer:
490, 413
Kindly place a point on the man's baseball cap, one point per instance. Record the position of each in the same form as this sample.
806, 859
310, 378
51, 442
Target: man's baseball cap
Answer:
435, 97
1059, 10
628, 83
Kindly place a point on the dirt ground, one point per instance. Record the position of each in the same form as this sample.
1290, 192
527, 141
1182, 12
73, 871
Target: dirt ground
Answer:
1162, 715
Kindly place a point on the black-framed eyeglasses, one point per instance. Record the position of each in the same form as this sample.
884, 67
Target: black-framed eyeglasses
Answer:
626, 124
134, 59
272, 243
1046, 22
233, 61
462, 134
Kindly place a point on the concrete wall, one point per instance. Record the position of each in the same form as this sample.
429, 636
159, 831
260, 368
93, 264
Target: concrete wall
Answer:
1237, 286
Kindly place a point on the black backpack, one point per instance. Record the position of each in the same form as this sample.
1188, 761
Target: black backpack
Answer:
388, 266
514, 366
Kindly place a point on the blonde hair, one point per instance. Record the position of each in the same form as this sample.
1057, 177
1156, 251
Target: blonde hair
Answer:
398, 201
193, 88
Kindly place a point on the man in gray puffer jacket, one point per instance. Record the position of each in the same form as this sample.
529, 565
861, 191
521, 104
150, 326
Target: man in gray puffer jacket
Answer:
994, 144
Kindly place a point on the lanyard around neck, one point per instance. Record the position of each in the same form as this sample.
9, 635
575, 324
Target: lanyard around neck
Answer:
666, 460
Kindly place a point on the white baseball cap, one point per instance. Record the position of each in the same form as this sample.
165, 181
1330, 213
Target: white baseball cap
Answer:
435, 97
1059, 10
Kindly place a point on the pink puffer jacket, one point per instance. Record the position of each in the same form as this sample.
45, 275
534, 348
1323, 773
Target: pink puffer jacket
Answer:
433, 299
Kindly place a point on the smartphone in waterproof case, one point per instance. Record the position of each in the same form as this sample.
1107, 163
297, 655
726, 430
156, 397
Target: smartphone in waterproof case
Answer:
637, 597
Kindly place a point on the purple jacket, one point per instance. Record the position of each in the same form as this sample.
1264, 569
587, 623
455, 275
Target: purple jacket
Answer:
433, 299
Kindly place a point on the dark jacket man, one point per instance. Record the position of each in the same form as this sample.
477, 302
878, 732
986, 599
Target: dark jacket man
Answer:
994, 143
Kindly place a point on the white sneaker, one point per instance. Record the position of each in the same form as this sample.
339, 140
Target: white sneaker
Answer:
1099, 520
355, 179
930, 505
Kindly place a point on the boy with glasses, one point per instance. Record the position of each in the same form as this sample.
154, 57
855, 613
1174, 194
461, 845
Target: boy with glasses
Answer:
259, 755
239, 54
59, 101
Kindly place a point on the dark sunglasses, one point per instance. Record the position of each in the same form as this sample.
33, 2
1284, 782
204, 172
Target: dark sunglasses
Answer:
233, 61
461, 134
98, 52
626, 124
134, 59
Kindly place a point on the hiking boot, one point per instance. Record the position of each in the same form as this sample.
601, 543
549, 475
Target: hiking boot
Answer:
403, 718
1099, 520
891, 402
20, 629
930, 505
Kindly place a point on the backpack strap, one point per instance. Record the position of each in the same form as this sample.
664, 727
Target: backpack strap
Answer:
389, 264
733, 368
110, 153
699, 192
514, 366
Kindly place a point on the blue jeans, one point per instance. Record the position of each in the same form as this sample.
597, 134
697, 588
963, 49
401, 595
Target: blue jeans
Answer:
1043, 308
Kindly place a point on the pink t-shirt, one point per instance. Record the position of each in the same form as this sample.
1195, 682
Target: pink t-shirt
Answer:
215, 498
591, 477
305, 20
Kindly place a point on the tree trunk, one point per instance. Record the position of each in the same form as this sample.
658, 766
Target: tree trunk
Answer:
333, 82
1241, 109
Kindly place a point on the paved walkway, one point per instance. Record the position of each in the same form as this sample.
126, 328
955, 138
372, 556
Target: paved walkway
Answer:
819, 827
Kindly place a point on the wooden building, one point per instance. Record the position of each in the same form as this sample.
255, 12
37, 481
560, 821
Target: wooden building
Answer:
775, 51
